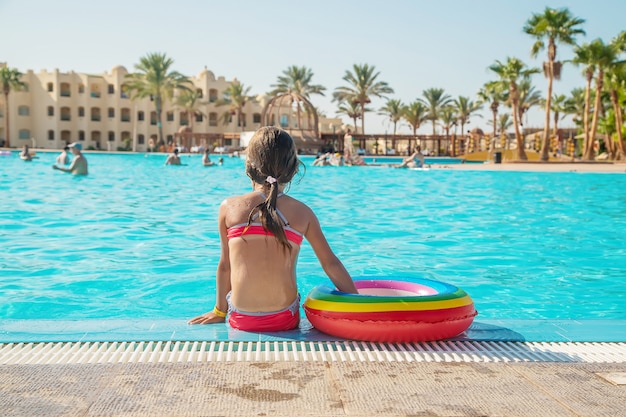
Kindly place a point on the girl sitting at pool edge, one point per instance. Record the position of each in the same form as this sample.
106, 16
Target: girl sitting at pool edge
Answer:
260, 235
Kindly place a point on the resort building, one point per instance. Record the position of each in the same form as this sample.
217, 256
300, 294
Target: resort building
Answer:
55, 109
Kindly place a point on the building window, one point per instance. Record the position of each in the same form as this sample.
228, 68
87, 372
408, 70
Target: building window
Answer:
111, 136
111, 89
50, 134
199, 117
95, 91
95, 114
228, 142
65, 90
242, 120
140, 116
81, 112
23, 111
50, 111
141, 139
81, 88
125, 117
184, 118
200, 93
212, 95
81, 135
124, 91
24, 134
212, 119
256, 118
65, 115
169, 116
50, 87
66, 136
284, 121
153, 118
111, 112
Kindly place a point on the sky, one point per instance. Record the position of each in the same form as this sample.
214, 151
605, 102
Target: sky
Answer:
414, 44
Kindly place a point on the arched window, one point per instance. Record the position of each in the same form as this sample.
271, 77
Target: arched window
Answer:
200, 92
50, 111
66, 114
199, 117
212, 119
50, 134
153, 118
95, 114
125, 117
111, 112
140, 116
81, 111
212, 95
50, 87
256, 118
141, 139
111, 136
81, 135
169, 116
184, 118
65, 90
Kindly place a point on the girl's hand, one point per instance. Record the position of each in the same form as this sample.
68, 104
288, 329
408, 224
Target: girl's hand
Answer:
207, 318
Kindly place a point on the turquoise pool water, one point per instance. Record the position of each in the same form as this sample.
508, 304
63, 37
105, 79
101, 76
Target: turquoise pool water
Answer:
138, 240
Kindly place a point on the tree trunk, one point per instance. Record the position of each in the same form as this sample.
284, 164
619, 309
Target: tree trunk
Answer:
362, 119
590, 155
586, 111
521, 152
621, 152
7, 141
158, 105
545, 147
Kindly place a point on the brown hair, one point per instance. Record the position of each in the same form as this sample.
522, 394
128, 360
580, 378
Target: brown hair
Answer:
271, 154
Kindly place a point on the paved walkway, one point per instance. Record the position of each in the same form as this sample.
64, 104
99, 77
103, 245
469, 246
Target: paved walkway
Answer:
312, 389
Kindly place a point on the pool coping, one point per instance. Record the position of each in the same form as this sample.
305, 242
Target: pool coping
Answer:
119, 330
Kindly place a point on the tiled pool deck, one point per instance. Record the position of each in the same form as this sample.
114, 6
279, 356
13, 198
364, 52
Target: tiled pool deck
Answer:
179, 330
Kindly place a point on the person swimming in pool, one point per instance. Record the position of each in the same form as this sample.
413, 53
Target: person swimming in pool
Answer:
260, 234
79, 164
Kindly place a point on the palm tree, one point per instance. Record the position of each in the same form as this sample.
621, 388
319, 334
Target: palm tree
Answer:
594, 56
555, 26
393, 109
10, 80
465, 107
435, 99
615, 81
510, 72
560, 109
528, 97
296, 86
154, 79
191, 102
494, 93
448, 116
415, 114
236, 96
351, 109
363, 86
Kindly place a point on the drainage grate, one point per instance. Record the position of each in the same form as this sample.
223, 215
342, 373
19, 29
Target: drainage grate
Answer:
293, 351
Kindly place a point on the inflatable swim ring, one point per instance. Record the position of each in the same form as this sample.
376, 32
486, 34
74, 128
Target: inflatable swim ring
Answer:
391, 310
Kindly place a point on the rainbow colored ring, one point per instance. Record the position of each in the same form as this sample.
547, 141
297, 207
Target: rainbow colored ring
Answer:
391, 310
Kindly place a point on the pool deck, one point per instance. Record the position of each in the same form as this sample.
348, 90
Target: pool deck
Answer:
314, 389
599, 167
491, 370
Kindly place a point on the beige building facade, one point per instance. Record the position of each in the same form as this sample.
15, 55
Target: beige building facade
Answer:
58, 108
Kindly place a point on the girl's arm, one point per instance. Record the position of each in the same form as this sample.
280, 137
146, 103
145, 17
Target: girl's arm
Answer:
329, 261
222, 284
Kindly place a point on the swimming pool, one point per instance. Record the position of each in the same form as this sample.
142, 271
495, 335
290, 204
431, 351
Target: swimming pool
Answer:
138, 240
